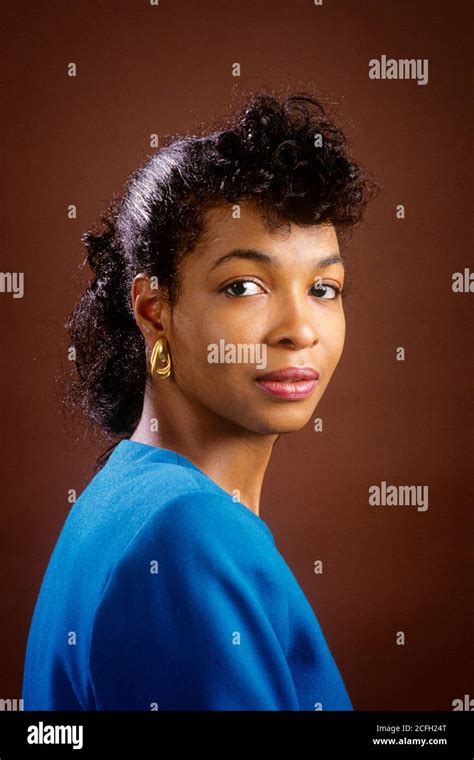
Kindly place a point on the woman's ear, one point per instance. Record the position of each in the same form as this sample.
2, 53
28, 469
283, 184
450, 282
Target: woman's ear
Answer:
150, 308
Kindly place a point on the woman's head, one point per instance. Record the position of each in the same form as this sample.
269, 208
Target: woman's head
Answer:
252, 301
275, 178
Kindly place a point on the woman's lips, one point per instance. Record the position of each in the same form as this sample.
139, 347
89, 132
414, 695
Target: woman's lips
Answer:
288, 390
290, 383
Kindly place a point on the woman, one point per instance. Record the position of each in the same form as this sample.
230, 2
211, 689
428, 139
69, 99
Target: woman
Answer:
212, 325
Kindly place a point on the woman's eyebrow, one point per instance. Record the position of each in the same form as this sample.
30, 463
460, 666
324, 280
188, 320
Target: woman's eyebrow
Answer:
254, 255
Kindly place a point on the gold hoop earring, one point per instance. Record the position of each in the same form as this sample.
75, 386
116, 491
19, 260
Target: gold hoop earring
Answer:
161, 353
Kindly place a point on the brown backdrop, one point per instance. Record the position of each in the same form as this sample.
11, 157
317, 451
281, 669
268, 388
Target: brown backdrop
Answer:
144, 69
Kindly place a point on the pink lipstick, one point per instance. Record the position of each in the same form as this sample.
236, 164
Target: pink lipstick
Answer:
290, 384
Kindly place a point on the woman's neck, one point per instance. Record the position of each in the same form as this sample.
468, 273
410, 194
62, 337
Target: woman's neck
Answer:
234, 458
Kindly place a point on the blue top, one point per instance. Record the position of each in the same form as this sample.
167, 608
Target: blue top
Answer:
164, 593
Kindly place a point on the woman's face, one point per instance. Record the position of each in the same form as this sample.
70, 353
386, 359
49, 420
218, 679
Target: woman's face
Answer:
275, 307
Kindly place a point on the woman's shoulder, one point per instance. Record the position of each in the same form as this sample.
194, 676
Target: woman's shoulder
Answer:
196, 540
201, 593
203, 522
199, 546
172, 497
216, 510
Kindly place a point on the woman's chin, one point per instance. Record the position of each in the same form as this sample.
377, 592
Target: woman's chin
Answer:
283, 423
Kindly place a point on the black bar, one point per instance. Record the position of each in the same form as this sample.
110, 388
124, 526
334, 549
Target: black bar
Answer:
396, 734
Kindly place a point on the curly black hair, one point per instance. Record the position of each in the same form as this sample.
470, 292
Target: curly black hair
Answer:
282, 153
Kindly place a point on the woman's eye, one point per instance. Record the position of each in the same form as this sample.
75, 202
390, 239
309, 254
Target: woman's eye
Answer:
241, 288
324, 290
250, 288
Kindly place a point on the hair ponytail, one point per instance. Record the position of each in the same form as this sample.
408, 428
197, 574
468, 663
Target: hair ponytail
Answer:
109, 348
